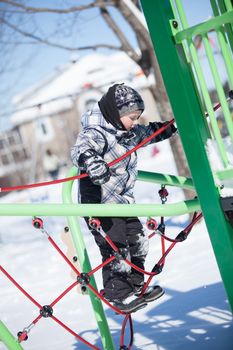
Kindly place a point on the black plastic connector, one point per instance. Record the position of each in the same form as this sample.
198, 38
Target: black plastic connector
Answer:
83, 279
157, 268
46, 311
182, 236
161, 228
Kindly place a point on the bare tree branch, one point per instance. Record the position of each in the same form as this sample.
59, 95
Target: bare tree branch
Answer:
47, 42
31, 9
124, 42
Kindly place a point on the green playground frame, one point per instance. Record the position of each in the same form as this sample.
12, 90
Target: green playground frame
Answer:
177, 56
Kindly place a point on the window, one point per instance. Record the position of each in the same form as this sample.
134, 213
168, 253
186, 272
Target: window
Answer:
44, 129
2, 143
11, 140
5, 159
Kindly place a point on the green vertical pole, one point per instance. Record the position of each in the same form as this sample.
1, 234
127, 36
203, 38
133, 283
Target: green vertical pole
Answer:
8, 339
225, 49
86, 266
203, 87
182, 93
227, 5
218, 86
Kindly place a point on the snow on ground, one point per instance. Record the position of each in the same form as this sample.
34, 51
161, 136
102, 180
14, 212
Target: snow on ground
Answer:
193, 314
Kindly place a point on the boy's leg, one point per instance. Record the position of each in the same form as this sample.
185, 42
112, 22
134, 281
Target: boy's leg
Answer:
138, 245
116, 275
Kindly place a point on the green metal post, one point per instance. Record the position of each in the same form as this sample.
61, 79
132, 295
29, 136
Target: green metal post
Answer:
218, 85
227, 5
225, 49
182, 93
8, 339
82, 254
202, 83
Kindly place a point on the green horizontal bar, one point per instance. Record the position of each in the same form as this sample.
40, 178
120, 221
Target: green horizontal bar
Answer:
165, 179
204, 27
226, 174
8, 339
142, 210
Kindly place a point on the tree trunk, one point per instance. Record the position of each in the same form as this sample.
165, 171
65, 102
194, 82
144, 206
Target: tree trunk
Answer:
158, 91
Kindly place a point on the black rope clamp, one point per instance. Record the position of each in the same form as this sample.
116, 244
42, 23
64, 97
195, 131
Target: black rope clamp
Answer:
157, 268
94, 223
22, 336
163, 193
121, 254
46, 311
182, 236
161, 228
151, 224
123, 347
83, 279
37, 223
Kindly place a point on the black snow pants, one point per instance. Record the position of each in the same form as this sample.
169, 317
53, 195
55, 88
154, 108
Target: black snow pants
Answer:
119, 279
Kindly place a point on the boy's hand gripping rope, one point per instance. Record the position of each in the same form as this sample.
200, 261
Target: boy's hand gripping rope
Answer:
156, 133
115, 161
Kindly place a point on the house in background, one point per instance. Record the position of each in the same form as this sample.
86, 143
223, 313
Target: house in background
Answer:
48, 114
14, 158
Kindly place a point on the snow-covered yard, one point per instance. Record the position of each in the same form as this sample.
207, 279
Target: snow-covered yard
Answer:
193, 314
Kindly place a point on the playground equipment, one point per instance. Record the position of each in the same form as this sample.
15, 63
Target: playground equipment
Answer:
177, 57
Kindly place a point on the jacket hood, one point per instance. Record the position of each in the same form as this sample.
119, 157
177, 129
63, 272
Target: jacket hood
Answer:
109, 109
95, 119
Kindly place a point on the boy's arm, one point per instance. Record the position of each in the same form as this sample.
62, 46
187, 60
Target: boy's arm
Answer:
87, 154
144, 131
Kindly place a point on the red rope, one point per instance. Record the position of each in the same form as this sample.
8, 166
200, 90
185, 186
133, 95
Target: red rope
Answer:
20, 288
106, 262
54, 182
52, 304
37, 319
127, 318
63, 255
187, 230
105, 300
63, 293
89, 274
151, 274
74, 334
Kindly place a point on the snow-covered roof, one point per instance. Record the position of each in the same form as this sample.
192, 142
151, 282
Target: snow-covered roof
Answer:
95, 70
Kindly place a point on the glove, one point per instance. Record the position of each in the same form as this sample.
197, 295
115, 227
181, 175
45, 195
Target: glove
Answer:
174, 129
170, 131
95, 166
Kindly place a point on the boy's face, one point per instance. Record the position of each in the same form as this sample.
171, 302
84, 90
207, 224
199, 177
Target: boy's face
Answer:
130, 119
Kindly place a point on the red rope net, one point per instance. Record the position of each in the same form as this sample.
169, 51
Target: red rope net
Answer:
84, 278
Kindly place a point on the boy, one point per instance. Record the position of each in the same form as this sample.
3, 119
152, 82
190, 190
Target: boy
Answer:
110, 130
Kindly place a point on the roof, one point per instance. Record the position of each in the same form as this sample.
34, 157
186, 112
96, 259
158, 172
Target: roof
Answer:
55, 94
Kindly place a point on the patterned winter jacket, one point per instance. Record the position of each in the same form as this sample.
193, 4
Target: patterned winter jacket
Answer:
111, 143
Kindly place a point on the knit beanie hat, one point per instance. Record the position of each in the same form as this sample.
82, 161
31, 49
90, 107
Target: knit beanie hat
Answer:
128, 100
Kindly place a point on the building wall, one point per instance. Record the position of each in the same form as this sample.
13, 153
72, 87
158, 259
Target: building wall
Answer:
14, 158
56, 132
